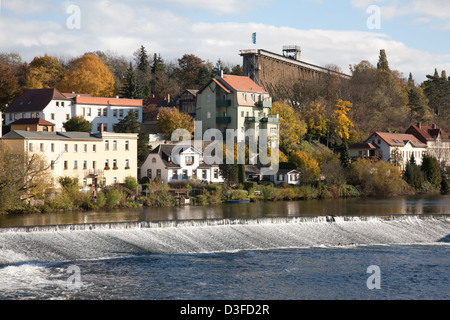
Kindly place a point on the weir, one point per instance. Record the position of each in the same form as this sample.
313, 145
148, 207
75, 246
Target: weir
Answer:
111, 240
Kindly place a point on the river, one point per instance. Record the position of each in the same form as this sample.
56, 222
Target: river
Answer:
395, 248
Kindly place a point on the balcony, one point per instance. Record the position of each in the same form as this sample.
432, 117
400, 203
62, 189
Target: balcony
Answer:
271, 119
253, 119
264, 104
223, 103
225, 120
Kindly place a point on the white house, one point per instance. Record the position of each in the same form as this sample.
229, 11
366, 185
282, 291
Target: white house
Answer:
288, 176
390, 147
187, 164
57, 107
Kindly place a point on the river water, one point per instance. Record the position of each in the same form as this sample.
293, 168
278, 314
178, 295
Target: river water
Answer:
358, 249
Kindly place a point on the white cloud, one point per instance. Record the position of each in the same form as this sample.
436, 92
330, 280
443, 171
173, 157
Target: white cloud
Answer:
122, 28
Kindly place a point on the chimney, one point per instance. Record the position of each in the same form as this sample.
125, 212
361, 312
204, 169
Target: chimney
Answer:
168, 98
419, 125
433, 126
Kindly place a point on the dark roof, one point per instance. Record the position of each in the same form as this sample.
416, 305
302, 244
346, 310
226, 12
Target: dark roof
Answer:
24, 121
38, 135
33, 100
426, 133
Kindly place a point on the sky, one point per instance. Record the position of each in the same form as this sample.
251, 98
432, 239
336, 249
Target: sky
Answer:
414, 33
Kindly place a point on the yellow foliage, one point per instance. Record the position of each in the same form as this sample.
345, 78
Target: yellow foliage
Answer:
292, 128
88, 74
342, 123
171, 119
306, 164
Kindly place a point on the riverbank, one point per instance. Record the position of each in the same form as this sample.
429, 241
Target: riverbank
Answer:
197, 194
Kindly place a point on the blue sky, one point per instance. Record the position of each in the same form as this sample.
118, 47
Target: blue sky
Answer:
414, 33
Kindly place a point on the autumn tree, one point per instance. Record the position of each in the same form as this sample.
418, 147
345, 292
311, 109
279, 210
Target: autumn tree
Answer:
342, 124
171, 119
189, 67
88, 74
9, 86
306, 164
292, 128
23, 177
44, 72
78, 124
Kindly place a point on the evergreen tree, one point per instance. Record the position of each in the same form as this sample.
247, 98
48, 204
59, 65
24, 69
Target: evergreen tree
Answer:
432, 171
158, 64
130, 88
413, 175
383, 64
143, 64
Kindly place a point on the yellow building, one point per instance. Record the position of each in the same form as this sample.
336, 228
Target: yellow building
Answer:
32, 124
102, 158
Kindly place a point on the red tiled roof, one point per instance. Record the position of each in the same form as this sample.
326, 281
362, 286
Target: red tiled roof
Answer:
240, 83
108, 101
40, 121
399, 139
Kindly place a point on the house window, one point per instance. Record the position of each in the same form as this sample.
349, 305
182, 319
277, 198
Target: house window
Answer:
30, 147
127, 145
62, 104
245, 97
106, 163
115, 113
115, 145
208, 115
94, 165
121, 113
174, 174
153, 160
66, 165
114, 180
99, 112
273, 130
149, 174
45, 128
242, 113
158, 173
52, 116
127, 163
115, 163
42, 147
189, 160
52, 147
89, 112
185, 174
67, 116
66, 147
208, 98
52, 165
106, 145
216, 174
85, 148
194, 173
85, 164
75, 164
57, 103
94, 148
204, 173
105, 112
75, 148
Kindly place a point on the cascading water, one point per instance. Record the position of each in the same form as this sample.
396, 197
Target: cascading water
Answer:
111, 240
